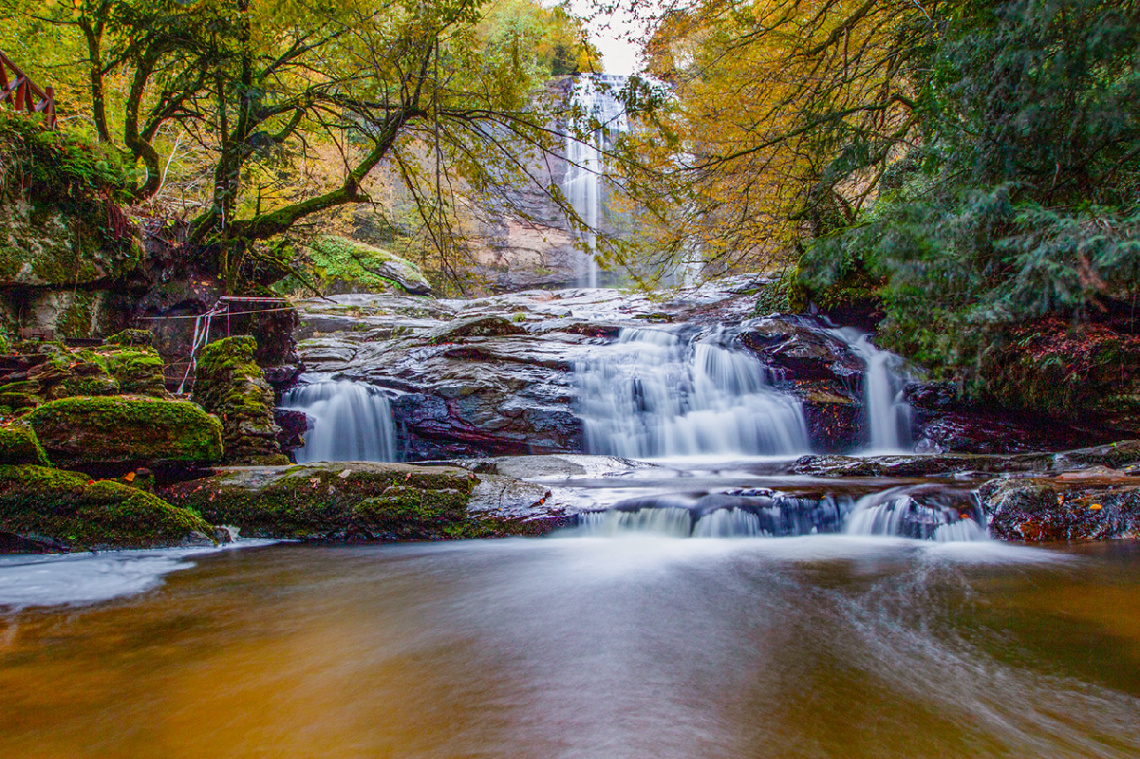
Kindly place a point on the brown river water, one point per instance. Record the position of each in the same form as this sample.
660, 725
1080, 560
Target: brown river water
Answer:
634, 646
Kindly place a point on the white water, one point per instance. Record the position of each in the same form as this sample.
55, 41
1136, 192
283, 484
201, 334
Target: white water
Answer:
895, 513
350, 421
886, 411
653, 394
600, 115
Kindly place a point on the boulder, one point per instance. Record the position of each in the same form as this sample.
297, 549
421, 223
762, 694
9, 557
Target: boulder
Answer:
1090, 506
123, 432
344, 501
231, 385
66, 507
801, 348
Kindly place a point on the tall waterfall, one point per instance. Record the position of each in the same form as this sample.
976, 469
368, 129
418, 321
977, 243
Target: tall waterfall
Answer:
350, 421
599, 115
886, 410
654, 393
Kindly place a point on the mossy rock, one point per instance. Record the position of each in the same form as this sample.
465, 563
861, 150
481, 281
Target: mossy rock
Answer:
138, 371
131, 338
362, 501
339, 265
19, 445
127, 430
71, 509
229, 383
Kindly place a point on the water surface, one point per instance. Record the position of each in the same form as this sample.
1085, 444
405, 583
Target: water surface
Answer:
638, 646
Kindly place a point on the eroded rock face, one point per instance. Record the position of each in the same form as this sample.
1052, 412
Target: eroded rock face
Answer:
496, 376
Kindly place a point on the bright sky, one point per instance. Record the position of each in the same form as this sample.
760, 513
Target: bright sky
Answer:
614, 35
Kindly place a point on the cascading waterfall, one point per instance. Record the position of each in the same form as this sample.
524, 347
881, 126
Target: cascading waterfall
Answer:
654, 394
601, 115
349, 421
898, 513
886, 410
915, 513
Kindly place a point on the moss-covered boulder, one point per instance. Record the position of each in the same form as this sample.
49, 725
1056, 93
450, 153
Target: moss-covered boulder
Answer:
338, 265
71, 509
355, 501
126, 431
229, 383
19, 445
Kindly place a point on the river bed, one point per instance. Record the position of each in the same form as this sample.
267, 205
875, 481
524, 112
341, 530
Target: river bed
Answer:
633, 646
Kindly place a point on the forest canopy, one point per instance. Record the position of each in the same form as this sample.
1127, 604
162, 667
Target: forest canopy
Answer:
253, 116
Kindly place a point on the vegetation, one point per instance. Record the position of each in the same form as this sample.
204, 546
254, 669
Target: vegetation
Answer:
974, 165
257, 115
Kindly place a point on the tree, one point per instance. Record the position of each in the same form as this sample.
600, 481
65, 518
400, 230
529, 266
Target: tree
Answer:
426, 87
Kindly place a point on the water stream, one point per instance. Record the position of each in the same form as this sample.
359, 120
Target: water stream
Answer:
657, 393
349, 421
627, 647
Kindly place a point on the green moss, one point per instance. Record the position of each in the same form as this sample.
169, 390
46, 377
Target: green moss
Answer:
19, 445
230, 384
372, 501
70, 508
126, 430
337, 264
131, 337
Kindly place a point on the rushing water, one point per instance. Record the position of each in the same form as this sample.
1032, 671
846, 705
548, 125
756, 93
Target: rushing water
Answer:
824, 646
600, 115
887, 413
349, 421
654, 393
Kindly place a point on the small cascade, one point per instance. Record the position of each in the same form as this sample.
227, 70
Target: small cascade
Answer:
653, 394
349, 421
886, 410
600, 115
919, 513
900, 512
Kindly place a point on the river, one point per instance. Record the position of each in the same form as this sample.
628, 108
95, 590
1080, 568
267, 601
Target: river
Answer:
634, 645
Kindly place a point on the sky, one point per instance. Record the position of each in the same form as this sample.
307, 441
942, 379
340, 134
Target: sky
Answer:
611, 34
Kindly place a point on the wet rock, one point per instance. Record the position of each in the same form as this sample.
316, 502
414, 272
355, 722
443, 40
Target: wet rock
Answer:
122, 433
11, 543
70, 509
1103, 504
834, 419
293, 424
231, 385
478, 326
802, 349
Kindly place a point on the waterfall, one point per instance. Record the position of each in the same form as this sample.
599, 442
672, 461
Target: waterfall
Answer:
919, 513
654, 394
898, 513
887, 413
599, 115
349, 421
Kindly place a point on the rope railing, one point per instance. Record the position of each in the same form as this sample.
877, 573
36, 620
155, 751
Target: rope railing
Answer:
20, 92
